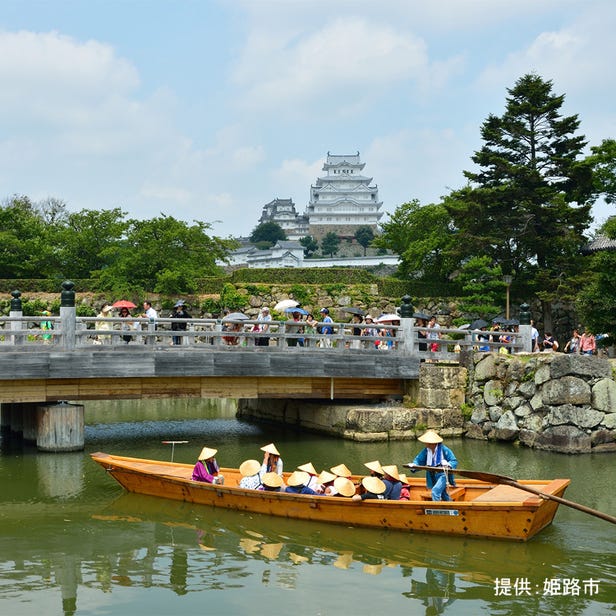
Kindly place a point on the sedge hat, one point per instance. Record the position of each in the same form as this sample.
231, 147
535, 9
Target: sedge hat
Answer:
392, 471
248, 468
308, 468
431, 437
326, 477
344, 486
298, 478
271, 448
341, 470
207, 453
375, 466
374, 485
272, 480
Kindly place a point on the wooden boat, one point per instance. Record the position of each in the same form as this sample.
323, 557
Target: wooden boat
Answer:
478, 509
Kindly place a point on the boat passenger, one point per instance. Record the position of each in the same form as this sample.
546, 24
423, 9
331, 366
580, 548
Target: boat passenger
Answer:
391, 479
438, 455
341, 471
206, 469
249, 469
271, 482
313, 484
297, 483
375, 468
344, 487
373, 488
326, 481
272, 462
405, 492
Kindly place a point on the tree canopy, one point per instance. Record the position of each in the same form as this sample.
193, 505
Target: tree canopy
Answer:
267, 234
330, 244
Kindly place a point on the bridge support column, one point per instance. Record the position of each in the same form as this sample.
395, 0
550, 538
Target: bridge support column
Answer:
17, 419
5, 417
60, 427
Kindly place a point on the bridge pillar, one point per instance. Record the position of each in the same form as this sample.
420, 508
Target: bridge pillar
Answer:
60, 427
5, 417
17, 419
16, 312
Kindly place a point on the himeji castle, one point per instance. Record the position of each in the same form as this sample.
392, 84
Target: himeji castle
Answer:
341, 200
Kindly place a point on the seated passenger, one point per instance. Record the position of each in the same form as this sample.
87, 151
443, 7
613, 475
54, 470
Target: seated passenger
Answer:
341, 471
344, 487
373, 488
271, 482
206, 469
405, 492
297, 483
313, 484
326, 480
391, 479
376, 470
249, 469
272, 462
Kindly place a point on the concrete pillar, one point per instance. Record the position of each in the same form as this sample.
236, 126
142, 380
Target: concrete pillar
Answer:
68, 314
17, 419
5, 417
60, 427
16, 312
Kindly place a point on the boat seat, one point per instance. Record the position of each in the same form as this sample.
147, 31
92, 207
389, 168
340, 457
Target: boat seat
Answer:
454, 493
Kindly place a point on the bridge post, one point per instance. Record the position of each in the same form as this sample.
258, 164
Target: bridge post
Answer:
407, 327
526, 328
60, 427
17, 313
68, 314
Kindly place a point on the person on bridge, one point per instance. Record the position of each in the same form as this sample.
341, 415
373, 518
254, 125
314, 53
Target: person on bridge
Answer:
206, 469
179, 312
272, 462
326, 327
439, 456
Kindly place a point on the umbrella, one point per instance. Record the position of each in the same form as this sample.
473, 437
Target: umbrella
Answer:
384, 318
123, 303
499, 320
283, 304
512, 322
235, 316
354, 310
421, 315
296, 309
465, 326
478, 324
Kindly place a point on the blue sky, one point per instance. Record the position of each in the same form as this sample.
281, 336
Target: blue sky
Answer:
208, 109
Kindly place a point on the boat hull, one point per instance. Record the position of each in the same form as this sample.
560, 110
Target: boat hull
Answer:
479, 512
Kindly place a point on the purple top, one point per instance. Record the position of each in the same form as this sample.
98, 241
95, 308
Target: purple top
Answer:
205, 470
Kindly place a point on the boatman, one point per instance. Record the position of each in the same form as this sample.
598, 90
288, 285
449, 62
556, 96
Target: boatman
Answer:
438, 455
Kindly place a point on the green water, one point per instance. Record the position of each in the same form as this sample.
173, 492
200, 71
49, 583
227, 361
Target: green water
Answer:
72, 542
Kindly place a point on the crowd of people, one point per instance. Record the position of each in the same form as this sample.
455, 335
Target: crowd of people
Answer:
383, 482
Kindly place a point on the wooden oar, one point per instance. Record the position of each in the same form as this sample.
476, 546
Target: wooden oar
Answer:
503, 479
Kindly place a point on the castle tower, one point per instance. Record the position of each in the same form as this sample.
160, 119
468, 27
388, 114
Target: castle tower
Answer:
343, 199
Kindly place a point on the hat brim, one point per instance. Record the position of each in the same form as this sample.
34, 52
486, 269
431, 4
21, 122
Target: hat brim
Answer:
431, 437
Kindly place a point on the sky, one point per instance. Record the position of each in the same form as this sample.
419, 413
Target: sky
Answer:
208, 109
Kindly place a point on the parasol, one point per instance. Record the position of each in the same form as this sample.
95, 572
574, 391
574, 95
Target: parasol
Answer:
421, 315
353, 310
283, 304
292, 309
386, 318
123, 303
478, 324
235, 316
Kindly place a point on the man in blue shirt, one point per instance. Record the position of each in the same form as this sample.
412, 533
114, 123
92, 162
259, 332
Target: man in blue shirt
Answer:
325, 328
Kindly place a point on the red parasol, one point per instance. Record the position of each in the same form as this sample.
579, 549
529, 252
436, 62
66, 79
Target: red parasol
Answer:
124, 303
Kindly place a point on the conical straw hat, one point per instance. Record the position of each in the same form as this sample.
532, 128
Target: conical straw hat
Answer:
326, 477
344, 486
298, 478
271, 448
308, 468
375, 466
344, 561
271, 550
271, 480
374, 485
341, 470
430, 437
207, 453
248, 468
404, 479
392, 471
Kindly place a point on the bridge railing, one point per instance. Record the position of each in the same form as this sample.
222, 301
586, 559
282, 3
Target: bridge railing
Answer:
69, 331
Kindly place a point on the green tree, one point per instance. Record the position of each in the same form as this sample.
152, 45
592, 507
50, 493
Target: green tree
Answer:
483, 286
270, 232
364, 235
157, 252
25, 249
422, 237
330, 244
310, 245
603, 162
596, 302
528, 206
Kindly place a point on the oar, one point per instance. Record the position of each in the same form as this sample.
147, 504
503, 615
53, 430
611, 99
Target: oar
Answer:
503, 479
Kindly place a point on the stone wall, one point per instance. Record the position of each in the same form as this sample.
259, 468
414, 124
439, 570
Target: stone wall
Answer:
555, 402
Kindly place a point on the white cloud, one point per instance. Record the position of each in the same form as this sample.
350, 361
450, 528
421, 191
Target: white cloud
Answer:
349, 55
